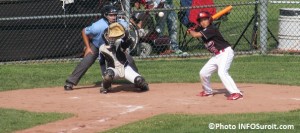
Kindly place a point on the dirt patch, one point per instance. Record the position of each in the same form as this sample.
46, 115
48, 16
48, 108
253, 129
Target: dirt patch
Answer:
98, 112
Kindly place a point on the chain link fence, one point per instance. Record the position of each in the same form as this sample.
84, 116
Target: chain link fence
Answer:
284, 24
51, 29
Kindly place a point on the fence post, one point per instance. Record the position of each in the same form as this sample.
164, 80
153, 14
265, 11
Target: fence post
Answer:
263, 26
127, 11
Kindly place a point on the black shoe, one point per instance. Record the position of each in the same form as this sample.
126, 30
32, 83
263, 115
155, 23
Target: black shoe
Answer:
103, 90
144, 88
68, 86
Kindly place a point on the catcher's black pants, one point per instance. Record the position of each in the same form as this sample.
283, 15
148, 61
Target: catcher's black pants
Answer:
83, 66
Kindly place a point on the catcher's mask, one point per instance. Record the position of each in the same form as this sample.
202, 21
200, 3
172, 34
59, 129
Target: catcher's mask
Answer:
114, 32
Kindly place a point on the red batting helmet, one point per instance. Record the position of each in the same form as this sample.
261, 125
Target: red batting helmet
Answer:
204, 14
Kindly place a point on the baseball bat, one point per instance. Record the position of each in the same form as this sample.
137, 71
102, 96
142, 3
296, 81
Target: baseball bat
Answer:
222, 12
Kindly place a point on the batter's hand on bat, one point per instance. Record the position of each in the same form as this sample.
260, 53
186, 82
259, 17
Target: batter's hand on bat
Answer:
190, 29
194, 33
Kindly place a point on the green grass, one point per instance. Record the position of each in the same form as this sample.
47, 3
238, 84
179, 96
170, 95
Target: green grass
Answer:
180, 123
13, 120
248, 69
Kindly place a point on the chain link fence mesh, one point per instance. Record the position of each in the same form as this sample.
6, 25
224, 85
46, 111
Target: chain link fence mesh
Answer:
284, 24
51, 29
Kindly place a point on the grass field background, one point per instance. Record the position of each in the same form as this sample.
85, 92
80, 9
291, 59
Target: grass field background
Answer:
281, 69
245, 69
179, 123
12, 120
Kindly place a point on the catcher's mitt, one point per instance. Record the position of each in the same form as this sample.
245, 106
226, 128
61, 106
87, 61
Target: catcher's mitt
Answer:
116, 30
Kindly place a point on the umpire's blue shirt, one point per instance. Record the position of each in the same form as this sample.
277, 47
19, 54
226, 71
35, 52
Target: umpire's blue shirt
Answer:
96, 31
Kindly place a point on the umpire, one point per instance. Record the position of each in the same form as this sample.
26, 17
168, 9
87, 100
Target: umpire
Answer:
94, 33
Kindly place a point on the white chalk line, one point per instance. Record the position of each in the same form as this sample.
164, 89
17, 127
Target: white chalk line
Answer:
74, 97
131, 108
104, 119
74, 129
297, 99
128, 109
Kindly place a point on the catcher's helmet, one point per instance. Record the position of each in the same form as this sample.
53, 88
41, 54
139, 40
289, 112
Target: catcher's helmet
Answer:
109, 9
204, 14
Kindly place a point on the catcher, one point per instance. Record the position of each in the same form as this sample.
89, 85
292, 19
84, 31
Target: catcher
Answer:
115, 61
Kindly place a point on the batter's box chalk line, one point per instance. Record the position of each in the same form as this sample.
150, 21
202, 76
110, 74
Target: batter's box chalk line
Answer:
131, 108
294, 98
74, 97
128, 109
104, 119
297, 99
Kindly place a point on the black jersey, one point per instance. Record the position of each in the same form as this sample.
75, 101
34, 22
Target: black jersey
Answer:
213, 39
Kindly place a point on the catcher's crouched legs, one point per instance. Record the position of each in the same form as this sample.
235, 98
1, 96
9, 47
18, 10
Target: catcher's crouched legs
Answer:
140, 82
107, 80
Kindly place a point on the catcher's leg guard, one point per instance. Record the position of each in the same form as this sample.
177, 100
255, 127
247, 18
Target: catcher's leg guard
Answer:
107, 80
140, 82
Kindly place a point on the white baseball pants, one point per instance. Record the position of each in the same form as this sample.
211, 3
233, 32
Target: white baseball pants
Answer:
220, 63
129, 75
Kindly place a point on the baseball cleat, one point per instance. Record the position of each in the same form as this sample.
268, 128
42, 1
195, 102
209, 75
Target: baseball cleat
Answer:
144, 88
68, 87
204, 94
103, 90
235, 96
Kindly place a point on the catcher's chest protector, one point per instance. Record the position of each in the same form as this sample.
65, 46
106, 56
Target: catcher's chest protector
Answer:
110, 55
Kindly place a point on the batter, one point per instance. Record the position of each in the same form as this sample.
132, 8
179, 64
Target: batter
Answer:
220, 61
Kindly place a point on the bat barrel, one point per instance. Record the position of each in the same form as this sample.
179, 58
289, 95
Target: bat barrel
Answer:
222, 12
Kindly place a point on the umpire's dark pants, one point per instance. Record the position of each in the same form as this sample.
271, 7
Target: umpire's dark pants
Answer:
83, 66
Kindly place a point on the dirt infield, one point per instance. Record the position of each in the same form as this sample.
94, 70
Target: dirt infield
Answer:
96, 112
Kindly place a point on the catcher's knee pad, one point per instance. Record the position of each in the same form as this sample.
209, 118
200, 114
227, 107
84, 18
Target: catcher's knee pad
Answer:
140, 82
108, 75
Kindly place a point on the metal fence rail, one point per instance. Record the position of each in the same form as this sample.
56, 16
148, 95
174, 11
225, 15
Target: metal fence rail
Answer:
50, 29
